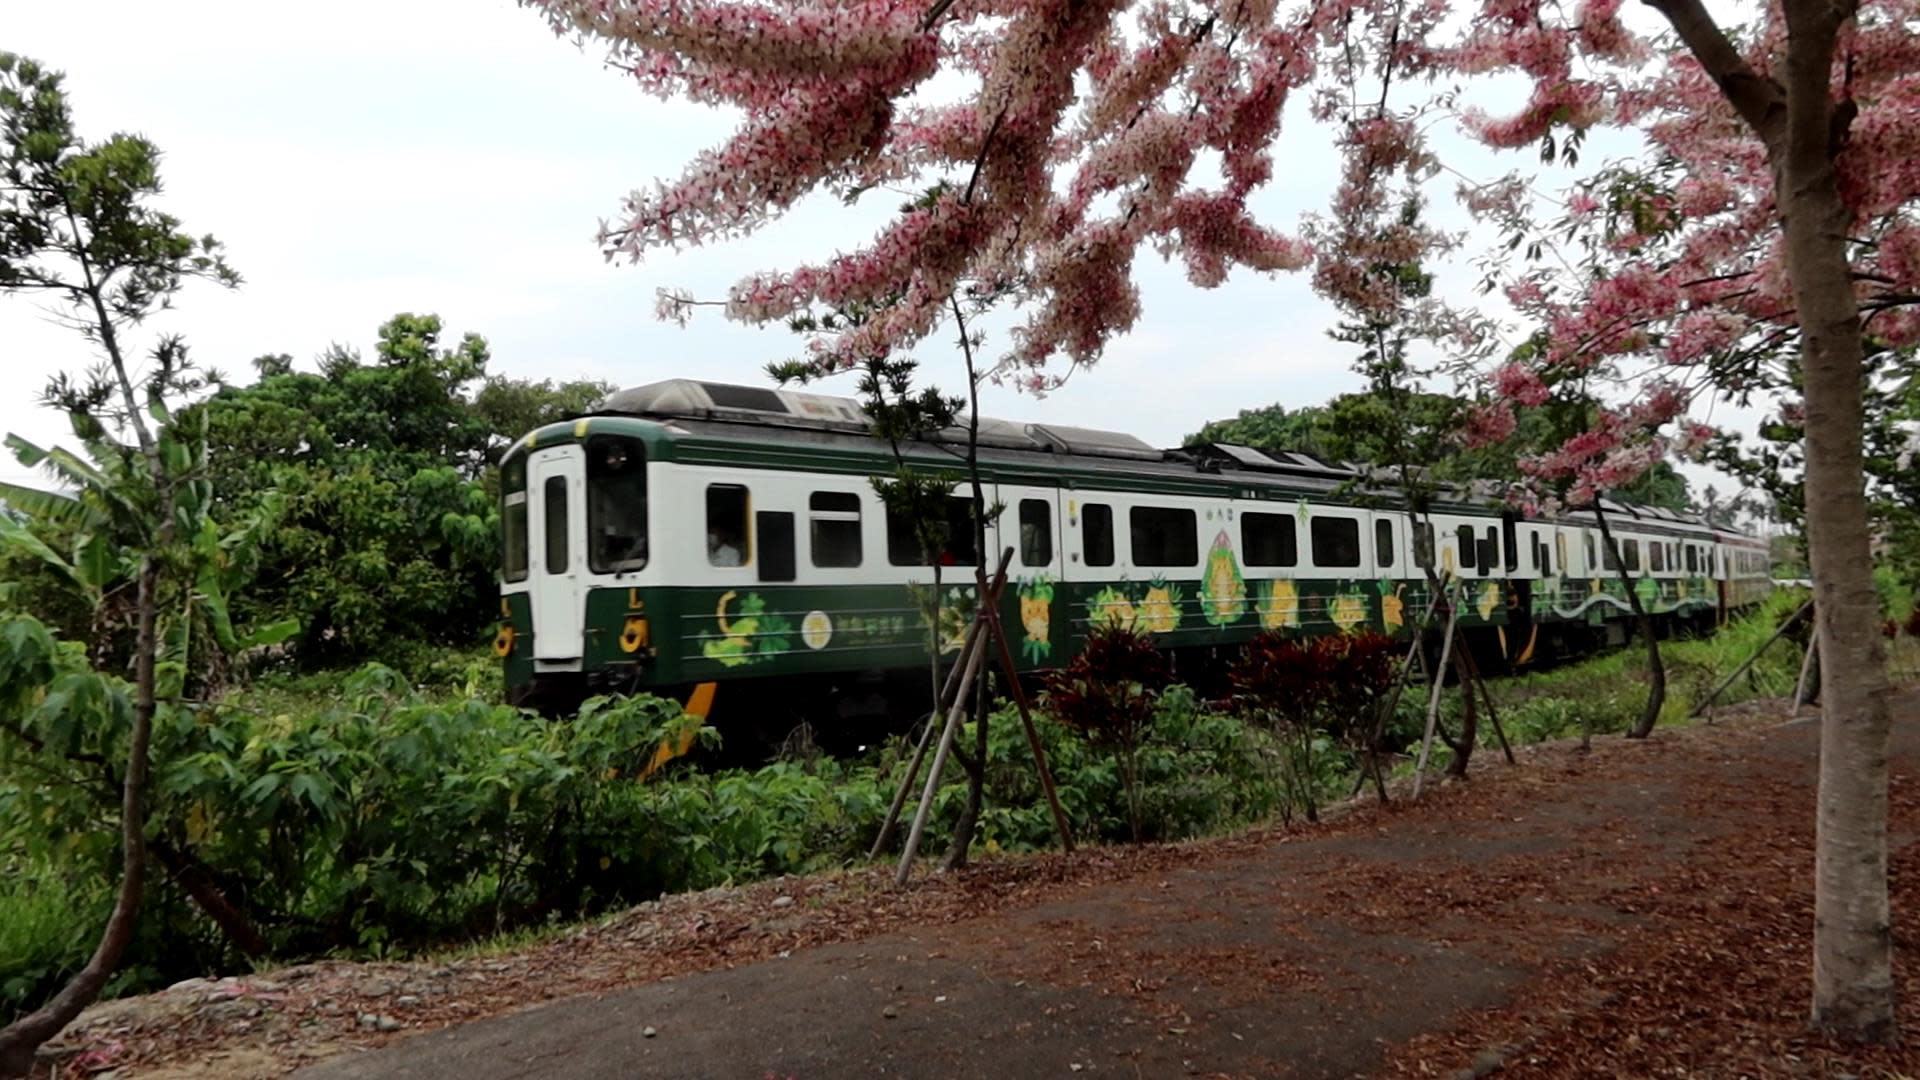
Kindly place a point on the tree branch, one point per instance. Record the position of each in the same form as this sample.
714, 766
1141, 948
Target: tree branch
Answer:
1760, 101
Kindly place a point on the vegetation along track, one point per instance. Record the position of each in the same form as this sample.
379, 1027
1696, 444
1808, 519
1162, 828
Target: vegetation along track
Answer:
1583, 912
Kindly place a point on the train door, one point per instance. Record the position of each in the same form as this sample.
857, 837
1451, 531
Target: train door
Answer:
556, 488
1030, 524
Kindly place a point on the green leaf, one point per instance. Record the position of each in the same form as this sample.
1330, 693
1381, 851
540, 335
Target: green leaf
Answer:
20, 538
46, 505
271, 634
65, 462
95, 563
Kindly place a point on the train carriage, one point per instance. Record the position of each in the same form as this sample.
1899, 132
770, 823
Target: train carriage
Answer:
692, 533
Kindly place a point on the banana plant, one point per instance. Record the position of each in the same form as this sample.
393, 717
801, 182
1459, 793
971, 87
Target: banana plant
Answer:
91, 534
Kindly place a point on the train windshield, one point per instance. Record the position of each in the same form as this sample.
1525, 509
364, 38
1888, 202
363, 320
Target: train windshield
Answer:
616, 504
513, 517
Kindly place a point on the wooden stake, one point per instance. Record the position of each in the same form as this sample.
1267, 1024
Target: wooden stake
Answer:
1806, 669
906, 784
1433, 699
999, 634
919, 754
954, 713
1741, 670
1385, 712
1413, 652
1486, 695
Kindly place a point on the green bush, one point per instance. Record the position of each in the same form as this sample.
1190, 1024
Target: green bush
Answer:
48, 925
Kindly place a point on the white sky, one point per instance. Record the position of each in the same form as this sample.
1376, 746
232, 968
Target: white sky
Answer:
361, 159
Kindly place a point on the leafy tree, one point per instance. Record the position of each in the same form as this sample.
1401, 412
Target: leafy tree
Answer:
77, 228
387, 541
1340, 431
1307, 429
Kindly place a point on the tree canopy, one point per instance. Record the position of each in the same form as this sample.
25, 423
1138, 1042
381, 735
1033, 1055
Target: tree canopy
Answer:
387, 537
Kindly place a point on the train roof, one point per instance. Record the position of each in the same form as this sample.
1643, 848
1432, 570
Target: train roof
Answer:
730, 412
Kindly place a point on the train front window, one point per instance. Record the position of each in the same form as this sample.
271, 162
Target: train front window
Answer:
616, 504
513, 518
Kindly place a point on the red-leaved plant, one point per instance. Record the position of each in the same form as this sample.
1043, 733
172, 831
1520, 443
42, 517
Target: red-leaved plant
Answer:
1107, 695
1302, 689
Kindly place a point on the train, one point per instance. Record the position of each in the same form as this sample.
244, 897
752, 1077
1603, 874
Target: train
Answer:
725, 543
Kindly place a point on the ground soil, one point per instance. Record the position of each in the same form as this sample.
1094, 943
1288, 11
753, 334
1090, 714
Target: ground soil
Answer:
1642, 909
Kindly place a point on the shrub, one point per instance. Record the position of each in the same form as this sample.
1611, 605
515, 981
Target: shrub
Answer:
1107, 694
1315, 695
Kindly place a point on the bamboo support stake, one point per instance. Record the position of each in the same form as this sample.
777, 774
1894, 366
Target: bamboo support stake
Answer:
1033, 735
989, 596
1413, 650
1742, 669
1493, 714
1433, 699
919, 754
1806, 671
906, 784
954, 713
1385, 712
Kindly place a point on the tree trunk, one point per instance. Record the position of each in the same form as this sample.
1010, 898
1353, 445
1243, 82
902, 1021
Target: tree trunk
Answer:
20, 1039
1852, 933
1796, 119
1656, 670
196, 879
977, 772
1469, 715
956, 858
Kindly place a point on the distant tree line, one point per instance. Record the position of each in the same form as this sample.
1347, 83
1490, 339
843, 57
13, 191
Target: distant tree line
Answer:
378, 475
1341, 430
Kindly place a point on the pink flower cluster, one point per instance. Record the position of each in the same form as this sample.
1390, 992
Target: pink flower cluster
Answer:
1521, 385
1065, 135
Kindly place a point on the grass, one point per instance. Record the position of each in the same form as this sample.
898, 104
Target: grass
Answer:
1605, 693
40, 939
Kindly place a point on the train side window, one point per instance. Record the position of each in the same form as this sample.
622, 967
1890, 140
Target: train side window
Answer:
1657, 557
1163, 536
727, 542
1590, 562
1489, 551
555, 493
1269, 540
1423, 545
1693, 559
903, 540
1560, 551
1608, 559
960, 550
1036, 532
1464, 536
833, 525
1096, 527
1383, 543
1336, 541
1512, 539
775, 529
1631, 555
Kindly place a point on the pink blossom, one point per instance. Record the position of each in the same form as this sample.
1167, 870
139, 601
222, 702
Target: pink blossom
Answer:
1520, 384
1488, 424
1041, 145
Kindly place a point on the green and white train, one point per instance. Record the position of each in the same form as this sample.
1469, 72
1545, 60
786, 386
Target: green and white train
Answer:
708, 540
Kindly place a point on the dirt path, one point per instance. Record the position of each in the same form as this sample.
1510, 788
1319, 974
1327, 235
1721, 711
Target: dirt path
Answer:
1640, 910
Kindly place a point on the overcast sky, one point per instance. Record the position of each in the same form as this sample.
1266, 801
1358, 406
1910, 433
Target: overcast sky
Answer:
361, 159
